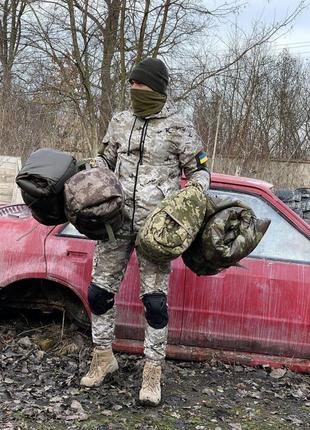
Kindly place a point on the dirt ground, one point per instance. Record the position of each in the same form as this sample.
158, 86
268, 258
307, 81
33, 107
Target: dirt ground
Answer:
42, 361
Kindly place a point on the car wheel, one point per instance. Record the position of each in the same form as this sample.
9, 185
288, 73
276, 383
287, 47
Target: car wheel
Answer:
298, 200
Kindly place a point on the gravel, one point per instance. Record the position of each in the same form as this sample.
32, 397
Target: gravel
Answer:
41, 363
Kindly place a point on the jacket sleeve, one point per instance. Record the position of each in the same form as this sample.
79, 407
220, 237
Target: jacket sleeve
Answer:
191, 156
107, 153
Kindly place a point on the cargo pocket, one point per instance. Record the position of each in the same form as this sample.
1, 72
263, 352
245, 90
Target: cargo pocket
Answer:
174, 233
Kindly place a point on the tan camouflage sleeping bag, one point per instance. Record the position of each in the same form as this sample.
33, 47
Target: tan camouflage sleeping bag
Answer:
170, 229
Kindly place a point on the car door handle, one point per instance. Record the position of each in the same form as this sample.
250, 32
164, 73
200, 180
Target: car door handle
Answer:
77, 255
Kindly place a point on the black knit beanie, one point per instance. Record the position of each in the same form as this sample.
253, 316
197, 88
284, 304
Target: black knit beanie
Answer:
153, 73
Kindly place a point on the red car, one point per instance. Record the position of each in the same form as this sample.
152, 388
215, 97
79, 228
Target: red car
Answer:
259, 314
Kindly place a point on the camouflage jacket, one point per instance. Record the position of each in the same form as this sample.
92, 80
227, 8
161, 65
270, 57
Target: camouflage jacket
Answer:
148, 156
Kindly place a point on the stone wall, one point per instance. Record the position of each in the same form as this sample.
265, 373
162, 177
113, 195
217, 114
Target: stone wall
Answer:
280, 173
9, 192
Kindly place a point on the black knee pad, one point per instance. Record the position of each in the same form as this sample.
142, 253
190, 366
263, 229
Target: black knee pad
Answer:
99, 299
156, 310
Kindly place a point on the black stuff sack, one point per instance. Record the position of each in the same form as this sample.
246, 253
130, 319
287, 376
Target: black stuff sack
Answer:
42, 180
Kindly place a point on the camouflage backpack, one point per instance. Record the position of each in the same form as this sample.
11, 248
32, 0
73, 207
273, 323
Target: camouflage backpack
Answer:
170, 229
94, 203
231, 232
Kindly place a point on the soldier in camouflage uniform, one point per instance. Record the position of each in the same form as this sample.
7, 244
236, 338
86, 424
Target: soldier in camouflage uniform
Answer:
148, 148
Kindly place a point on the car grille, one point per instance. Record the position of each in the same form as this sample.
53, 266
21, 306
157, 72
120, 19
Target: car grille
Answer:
18, 211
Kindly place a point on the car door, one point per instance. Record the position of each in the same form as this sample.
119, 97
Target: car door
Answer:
22, 245
130, 315
263, 307
69, 257
69, 260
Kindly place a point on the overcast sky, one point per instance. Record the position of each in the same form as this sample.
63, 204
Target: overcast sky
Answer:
297, 38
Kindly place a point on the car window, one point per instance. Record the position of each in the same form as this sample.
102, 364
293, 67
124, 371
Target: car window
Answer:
70, 230
282, 240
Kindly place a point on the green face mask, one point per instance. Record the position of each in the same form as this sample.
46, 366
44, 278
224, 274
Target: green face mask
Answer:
146, 103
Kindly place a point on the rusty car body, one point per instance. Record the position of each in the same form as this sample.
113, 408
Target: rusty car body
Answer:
258, 314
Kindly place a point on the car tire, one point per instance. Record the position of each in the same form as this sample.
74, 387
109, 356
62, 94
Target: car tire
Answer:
285, 194
298, 200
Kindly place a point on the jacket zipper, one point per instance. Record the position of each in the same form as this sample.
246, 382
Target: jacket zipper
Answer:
141, 148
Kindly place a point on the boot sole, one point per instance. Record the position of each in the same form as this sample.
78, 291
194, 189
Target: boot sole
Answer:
147, 402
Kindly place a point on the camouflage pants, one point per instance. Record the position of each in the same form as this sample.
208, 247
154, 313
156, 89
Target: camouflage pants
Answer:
110, 263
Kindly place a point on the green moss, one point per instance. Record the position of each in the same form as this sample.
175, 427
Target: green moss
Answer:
165, 419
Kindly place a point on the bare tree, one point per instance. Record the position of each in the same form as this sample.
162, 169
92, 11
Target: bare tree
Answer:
11, 12
264, 112
80, 54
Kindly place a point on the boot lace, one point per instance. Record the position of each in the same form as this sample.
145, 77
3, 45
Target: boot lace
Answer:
151, 378
94, 365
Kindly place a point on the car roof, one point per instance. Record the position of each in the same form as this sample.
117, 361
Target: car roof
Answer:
219, 178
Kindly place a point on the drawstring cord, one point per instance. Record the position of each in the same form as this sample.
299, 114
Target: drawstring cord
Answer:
129, 140
141, 147
144, 131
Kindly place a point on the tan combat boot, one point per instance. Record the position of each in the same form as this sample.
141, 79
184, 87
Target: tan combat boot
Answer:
103, 362
150, 393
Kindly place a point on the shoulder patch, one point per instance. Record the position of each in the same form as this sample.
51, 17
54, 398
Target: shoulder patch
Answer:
201, 158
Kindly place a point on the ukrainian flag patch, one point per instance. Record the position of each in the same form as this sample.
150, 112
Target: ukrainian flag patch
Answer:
202, 157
